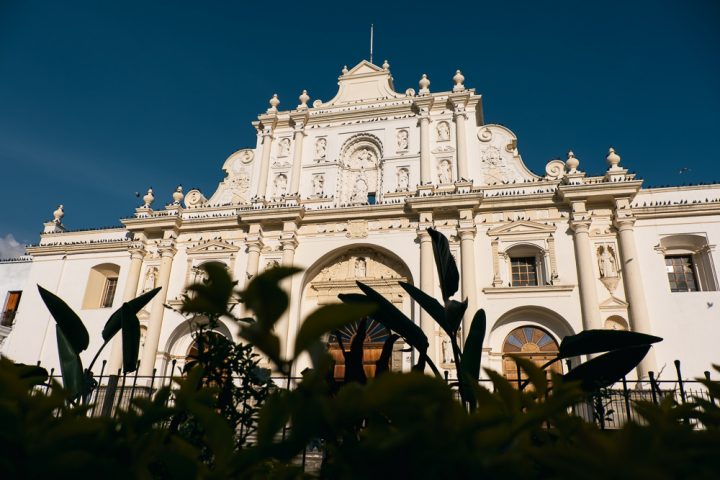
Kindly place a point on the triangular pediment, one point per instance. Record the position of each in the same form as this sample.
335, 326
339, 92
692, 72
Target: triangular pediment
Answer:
613, 302
212, 247
521, 227
365, 82
363, 67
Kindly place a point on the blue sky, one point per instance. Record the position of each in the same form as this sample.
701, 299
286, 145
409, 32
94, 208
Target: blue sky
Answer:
101, 99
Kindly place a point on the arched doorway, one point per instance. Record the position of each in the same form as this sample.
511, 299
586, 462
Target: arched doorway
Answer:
532, 343
375, 337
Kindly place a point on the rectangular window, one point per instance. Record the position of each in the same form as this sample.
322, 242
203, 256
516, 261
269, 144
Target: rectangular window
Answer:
681, 273
10, 309
524, 272
109, 293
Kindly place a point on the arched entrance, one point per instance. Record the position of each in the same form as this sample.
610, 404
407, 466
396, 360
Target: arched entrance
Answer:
532, 343
336, 274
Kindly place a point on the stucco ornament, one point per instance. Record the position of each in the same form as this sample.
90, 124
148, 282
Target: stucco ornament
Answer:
284, 147
304, 97
318, 184
280, 185
274, 102
402, 140
443, 132
572, 162
148, 198
459, 78
606, 261
194, 198
360, 268
360, 191
403, 181
178, 195
424, 84
555, 169
485, 134
58, 214
150, 279
444, 172
247, 156
320, 148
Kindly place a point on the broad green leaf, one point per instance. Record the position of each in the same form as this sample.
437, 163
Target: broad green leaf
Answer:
429, 304
454, 312
114, 323
608, 368
70, 365
446, 266
472, 353
130, 339
327, 319
75, 332
265, 297
382, 364
596, 341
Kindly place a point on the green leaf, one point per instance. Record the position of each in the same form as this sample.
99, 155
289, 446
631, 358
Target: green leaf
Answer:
354, 371
327, 319
212, 295
267, 342
114, 323
446, 266
382, 364
70, 365
34, 373
596, 341
429, 304
472, 353
130, 338
264, 296
454, 312
608, 368
536, 375
75, 332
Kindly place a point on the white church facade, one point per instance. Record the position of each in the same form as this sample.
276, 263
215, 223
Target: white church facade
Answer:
346, 188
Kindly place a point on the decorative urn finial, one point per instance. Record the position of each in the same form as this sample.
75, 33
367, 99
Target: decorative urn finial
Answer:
459, 78
424, 84
613, 159
274, 102
344, 70
386, 65
148, 198
178, 195
572, 162
58, 214
304, 97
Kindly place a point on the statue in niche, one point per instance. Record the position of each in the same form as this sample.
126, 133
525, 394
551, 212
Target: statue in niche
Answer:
443, 131
360, 268
402, 140
366, 158
320, 148
445, 172
403, 181
150, 279
284, 147
318, 184
606, 261
280, 185
360, 192
447, 352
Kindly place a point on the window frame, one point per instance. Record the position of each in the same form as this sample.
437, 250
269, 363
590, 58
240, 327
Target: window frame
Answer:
696, 248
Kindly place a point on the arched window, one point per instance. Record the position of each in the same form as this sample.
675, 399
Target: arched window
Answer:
375, 337
101, 286
688, 263
532, 343
527, 266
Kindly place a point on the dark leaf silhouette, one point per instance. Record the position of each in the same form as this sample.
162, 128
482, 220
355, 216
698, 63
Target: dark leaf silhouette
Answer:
70, 366
327, 319
472, 354
382, 364
427, 303
354, 371
608, 368
596, 341
114, 323
67, 320
447, 269
454, 312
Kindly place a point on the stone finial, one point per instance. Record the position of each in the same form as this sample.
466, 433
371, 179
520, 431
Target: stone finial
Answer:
459, 78
424, 84
58, 214
613, 159
178, 195
274, 102
344, 70
572, 162
148, 198
386, 65
304, 97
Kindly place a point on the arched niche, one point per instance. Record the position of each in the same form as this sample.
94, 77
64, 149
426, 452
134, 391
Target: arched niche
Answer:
360, 176
101, 286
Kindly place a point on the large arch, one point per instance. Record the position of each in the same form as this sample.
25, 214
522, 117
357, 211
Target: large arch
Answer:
180, 341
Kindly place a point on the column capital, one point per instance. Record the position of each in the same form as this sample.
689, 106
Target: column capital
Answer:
423, 235
166, 248
581, 225
467, 233
459, 111
424, 115
137, 250
624, 223
265, 132
289, 241
254, 244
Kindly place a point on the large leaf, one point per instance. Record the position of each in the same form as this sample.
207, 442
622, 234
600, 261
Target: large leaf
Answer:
34, 374
596, 341
603, 371
446, 266
428, 303
274, 415
327, 319
454, 312
382, 364
130, 339
114, 323
472, 353
75, 332
212, 295
70, 365
354, 371
265, 297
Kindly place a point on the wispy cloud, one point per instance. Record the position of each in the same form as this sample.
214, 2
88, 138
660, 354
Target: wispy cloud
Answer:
10, 248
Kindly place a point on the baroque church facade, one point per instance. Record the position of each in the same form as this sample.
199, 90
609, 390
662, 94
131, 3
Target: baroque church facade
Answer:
346, 188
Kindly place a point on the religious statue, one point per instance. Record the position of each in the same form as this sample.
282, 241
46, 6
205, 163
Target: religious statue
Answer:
150, 279
366, 158
360, 192
402, 140
320, 148
445, 172
360, 268
447, 352
284, 147
403, 181
318, 184
606, 261
443, 131
280, 185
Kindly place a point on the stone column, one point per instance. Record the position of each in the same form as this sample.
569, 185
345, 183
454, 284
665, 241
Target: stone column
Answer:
289, 244
469, 288
586, 274
265, 161
425, 167
253, 261
461, 141
152, 341
634, 293
427, 283
495, 251
137, 253
297, 157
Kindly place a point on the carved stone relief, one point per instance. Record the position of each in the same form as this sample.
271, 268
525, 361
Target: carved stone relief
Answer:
284, 147
403, 179
318, 184
280, 185
320, 148
444, 171
402, 140
443, 131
